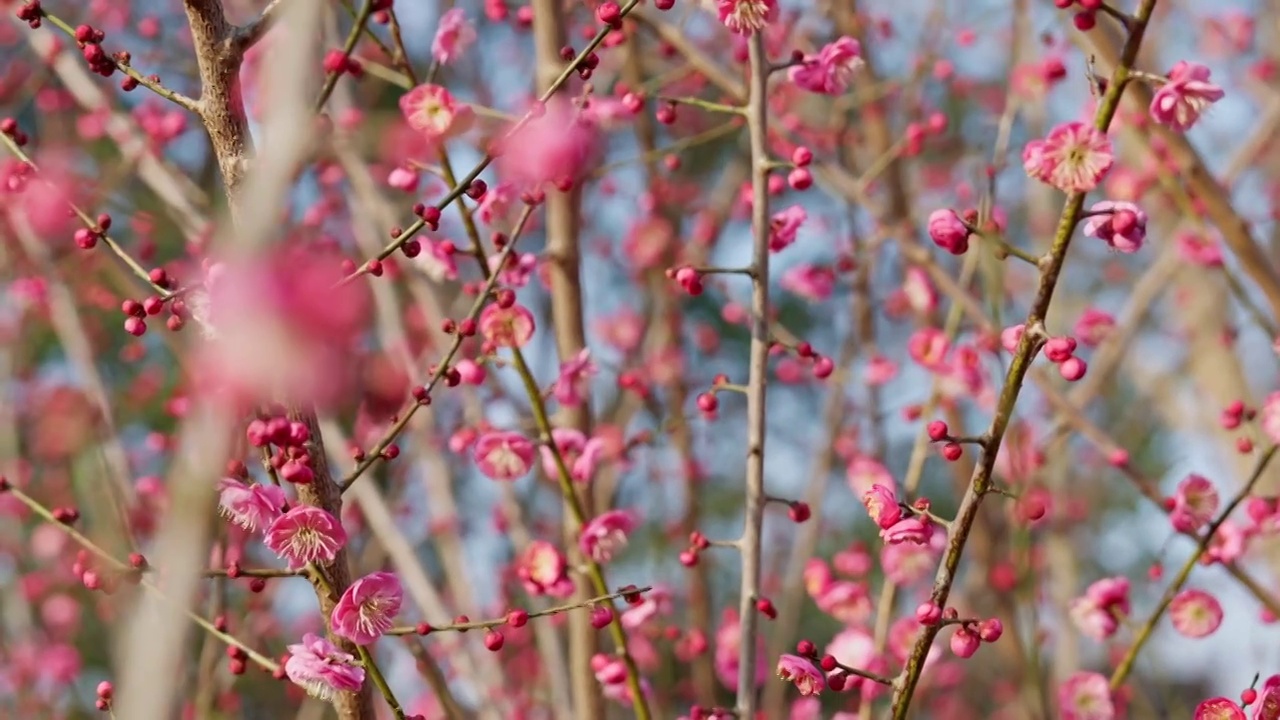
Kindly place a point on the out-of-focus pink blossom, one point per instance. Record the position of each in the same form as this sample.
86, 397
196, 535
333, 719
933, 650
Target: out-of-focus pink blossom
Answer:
1181, 101
829, 70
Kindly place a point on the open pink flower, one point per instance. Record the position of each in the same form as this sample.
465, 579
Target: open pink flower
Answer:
814, 283
503, 455
908, 530
605, 534
828, 72
1093, 326
322, 669
746, 16
1122, 225
1073, 157
506, 327
948, 231
1098, 612
454, 35
433, 112
784, 226
367, 607
252, 507
1195, 613
1194, 504
558, 146
1180, 101
543, 570
882, 505
304, 535
802, 672
1085, 696
1218, 708
579, 453
573, 382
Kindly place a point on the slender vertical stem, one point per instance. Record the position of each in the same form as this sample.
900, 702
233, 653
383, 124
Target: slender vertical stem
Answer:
757, 112
980, 483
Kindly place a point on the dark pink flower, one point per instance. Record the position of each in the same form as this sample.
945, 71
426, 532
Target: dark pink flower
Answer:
1180, 101
948, 231
1073, 157
605, 534
882, 505
253, 507
803, 673
503, 455
304, 535
784, 226
433, 112
829, 71
454, 35
322, 669
908, 530
1195, 613
573, 381
1218, 708
367, 607
1122, 225
746, 16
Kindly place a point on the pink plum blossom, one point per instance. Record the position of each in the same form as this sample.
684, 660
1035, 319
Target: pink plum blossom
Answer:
802, 673
1195, 613
321, 669
454, 35
828, 72
1179, 102
506, 327
253, 507
1194, 504
784, 226
948, 231
1085, 696
503, 455
305, 535
1099, 611
432, 111
580, 454
367, 607
746, 16
1122, 225
605, 534
1073, 157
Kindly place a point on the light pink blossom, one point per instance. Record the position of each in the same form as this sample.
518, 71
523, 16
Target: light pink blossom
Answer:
746, 16
846, 601
802, 672
503, 455
814, 283
367, 607
1085, 696
1179, 102
1073, 157
433, 112
252, 507
1093, 326
1195, 613
580, 454
506, 327
828, 72
605, 534
1269, 417
1194, 504
454, 35
557, 147
574, 380
542, 569
1099, 611
304, 535
321, 669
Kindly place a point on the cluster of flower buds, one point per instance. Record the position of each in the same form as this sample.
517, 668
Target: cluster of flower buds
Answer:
970, 633
939, 432
31, 13
697, 543
1087, 17
89, 39
292, 458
